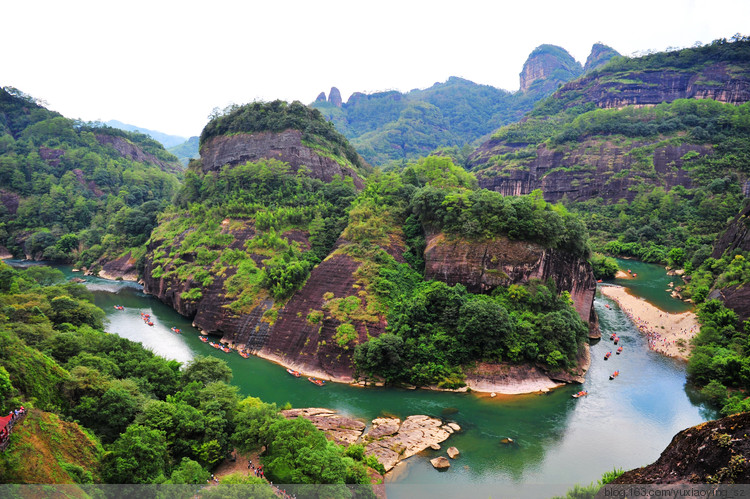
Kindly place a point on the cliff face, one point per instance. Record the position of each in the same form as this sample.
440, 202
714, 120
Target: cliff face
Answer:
285, 146
712, 452
548, 65
292, 339
135, 153
208, 313
639, 88
123, 267
584, 170
483, 266
736, 237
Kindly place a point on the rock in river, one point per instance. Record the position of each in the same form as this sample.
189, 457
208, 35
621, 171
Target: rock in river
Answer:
389, 439
441, 463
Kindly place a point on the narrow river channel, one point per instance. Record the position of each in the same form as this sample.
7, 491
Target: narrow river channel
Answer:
559, 441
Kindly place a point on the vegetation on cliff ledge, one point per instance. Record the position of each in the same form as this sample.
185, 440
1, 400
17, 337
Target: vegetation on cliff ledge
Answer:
196, 243
434, 329
278, 116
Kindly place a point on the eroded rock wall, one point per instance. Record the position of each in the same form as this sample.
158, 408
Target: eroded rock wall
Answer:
586, 170
482, 266
712, 452
285, 146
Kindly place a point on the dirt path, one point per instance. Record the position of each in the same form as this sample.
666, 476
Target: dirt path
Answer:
240, 464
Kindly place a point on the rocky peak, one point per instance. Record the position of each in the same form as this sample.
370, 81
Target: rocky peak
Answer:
547, 66
285, 146
599, 56
321, 97
334, 97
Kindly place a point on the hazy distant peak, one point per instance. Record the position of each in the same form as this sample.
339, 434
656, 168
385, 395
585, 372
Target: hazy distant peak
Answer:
166, 140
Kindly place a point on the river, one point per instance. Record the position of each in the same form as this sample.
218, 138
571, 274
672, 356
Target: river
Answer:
560, 441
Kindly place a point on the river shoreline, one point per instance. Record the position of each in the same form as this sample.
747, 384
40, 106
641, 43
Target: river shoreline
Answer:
669, 333
517, 379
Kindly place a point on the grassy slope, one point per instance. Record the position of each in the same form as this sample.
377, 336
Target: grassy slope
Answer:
45, 449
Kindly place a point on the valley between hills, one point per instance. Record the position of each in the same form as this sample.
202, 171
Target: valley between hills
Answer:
438, 252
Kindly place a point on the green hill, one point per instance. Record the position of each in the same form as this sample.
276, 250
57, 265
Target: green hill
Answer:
73, 191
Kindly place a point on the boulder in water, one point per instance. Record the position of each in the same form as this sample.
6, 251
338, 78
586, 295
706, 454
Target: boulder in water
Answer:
452, 452
440, 463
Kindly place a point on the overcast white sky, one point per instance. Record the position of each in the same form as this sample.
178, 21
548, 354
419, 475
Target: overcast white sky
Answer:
165, 65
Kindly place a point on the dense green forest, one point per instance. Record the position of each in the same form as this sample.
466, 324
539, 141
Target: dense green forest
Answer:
391, 126
721, 359
435, 329
67, 193
158, 421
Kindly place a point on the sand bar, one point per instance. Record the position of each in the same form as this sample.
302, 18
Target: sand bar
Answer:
664, 329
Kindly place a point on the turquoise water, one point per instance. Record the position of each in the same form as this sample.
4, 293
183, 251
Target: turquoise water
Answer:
623, 423
652, 284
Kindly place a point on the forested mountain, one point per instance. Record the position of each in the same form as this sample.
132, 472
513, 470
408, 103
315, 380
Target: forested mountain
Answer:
387, 126
652, 153
73, 191
284, 243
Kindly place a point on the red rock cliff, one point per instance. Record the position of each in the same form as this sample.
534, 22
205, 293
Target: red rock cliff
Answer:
285, 146
483, 266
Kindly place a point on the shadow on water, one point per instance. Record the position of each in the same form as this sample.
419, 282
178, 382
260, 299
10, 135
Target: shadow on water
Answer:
558, 440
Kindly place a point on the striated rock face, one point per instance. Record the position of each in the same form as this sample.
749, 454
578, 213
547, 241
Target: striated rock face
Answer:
285, 146
712, 452
717, 82
135, 153
292, 340
51, 156
483, 266
550, 65
295, 341
736, 237
10, 200
590, 169
208, 314
123, 268
735, 297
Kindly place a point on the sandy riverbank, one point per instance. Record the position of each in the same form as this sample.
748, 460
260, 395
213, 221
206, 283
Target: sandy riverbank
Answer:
664, 329
501, 379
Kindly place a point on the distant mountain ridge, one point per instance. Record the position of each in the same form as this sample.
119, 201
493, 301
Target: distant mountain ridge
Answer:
166, 140
388, 126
